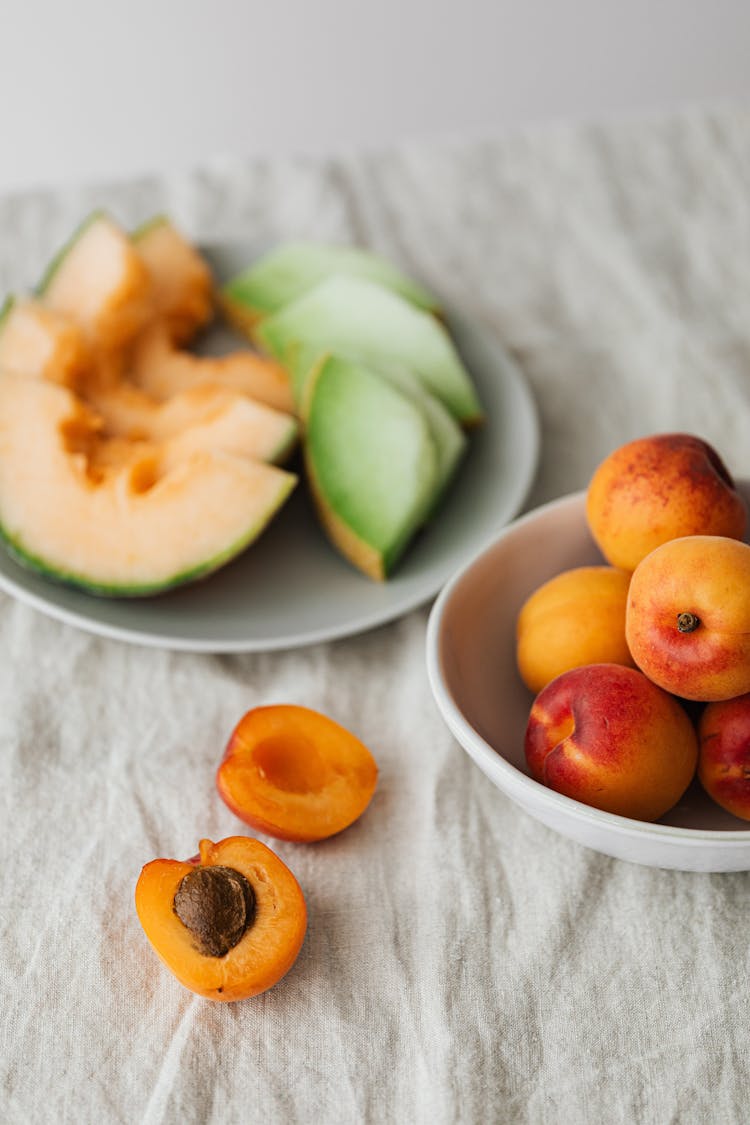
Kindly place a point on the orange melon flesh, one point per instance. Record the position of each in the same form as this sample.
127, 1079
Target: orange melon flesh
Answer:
162, 371
181, 281
206, 417
120, 518
267, 950
100, 281
43, 343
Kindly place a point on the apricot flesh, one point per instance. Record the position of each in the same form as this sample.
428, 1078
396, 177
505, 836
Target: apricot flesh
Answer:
264, 952
659, 488
724, 763
605, 735
295, 774
576, 618
688, 617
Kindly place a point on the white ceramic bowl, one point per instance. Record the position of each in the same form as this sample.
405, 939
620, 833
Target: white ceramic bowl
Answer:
472, 671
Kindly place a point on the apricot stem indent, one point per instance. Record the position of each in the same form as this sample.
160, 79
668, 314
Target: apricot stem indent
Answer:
687, 622
217, 905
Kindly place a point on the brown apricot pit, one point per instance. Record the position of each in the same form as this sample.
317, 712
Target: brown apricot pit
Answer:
217, 905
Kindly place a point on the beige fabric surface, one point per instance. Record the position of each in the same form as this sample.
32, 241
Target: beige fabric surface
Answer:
463, 963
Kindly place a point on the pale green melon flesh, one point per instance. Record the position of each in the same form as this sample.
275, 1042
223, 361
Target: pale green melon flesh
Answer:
372, 462
123, 535
292, 269
450, 440
360, 319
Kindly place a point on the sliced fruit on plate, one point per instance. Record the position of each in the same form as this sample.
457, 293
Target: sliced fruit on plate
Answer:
100, 280
163, 371
371, 462
182, 284
42, 343
109, 516
205, 417
293, 268
358, 318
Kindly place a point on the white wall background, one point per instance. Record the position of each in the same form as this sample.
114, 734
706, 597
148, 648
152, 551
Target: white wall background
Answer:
96, 88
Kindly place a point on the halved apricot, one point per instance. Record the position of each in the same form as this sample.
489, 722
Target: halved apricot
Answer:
295, 774
230, 923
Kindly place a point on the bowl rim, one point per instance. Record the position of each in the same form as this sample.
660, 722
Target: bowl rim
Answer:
517, 781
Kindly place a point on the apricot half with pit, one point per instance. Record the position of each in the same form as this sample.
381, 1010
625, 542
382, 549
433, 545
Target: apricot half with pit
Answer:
293, 773
228, 924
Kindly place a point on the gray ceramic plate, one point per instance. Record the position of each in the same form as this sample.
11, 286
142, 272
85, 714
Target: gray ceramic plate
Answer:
291, 588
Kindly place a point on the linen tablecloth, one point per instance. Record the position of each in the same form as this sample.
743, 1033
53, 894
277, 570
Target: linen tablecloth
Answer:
462, 963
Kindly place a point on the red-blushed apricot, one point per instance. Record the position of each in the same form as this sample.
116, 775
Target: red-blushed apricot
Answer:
295, 774
605, 735
228, 924
724, 762
576, 618
659, 488
688, 617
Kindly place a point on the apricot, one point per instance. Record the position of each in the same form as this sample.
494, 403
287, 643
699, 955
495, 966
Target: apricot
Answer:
688, 617
724, 761
296, 774
659, 488
230, 923
605, 735
576, 618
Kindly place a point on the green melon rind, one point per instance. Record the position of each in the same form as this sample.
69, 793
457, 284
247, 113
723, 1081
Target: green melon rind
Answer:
5, 309
316, 451
289, 271
145, 229
367, 323
102, 589
64, 250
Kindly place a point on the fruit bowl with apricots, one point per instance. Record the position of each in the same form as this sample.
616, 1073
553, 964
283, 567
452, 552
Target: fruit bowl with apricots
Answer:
615, 737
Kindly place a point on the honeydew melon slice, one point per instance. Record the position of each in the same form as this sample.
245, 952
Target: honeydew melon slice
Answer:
450, 440
358, 318
42, 342
371, 463
163, 371
206, 417
290, 270
112, 518
181, 281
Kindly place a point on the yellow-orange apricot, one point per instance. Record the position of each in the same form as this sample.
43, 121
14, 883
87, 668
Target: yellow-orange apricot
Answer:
659, 488
688, 617
576, 618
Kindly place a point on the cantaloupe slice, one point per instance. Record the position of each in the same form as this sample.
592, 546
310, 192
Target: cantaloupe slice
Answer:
371, 462
290, 270
110, 517
206, 417
364, 321
41, 342
163, 371
100, 281
181, 281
